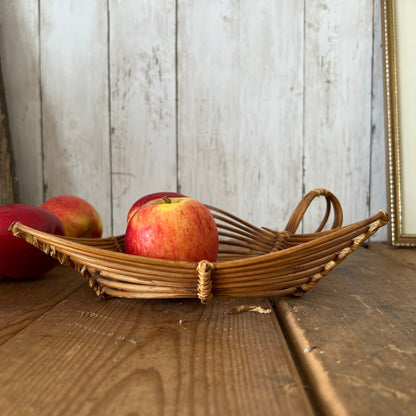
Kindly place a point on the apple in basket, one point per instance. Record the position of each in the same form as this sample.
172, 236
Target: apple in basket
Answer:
173, 229
79, 218
145, 199
19, 259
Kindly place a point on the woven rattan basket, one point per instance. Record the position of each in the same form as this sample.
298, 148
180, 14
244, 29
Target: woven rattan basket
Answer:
252, 261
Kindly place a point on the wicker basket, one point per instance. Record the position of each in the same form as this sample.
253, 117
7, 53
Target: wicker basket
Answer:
252, 261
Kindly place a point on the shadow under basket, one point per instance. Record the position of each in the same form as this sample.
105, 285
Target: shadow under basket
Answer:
252, 261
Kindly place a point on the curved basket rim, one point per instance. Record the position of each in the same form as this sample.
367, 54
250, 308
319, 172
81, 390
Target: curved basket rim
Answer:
18, 227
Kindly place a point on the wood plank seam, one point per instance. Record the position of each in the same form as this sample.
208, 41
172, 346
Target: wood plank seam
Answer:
323, 398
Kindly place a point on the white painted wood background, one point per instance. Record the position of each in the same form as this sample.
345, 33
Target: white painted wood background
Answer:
245, 105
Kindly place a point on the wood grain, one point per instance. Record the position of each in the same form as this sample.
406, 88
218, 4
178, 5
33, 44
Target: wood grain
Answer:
378, 178
24, 301
240, 106
354, 337
8, 183
143, 102
404, 255
75, 110
89, 356
337, 103
19, 49
272, 99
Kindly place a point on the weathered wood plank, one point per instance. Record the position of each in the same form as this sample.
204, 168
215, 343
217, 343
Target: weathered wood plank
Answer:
244, 106
354, 336
75, 109
143, 102
404, 255
240, 83
19, 49
378, 177
337, 121
90, 356
23, 301
8, 179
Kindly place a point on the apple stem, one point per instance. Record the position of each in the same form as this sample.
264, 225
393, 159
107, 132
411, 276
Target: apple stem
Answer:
167, 199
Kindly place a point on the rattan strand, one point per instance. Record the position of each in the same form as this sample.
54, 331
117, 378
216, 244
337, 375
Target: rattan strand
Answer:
252, 262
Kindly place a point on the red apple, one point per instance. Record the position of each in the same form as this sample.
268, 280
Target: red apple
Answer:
173, 229
19, 259
79, 217
145, 199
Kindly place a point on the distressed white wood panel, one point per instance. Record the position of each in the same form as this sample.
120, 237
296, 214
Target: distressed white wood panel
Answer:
19, 48
271, 110
337, 126
74, 76
208, 101
240, 106
378, 179
143, 102
240, 102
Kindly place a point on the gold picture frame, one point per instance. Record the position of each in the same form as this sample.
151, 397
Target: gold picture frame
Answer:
399, 47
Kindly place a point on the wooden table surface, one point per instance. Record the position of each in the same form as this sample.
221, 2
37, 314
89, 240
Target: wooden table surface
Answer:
347, 347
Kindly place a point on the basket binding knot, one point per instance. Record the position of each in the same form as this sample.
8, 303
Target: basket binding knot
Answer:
281, 239
117, 245
204, 289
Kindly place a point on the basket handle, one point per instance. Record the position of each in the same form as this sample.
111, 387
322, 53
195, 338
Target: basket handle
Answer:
303, 205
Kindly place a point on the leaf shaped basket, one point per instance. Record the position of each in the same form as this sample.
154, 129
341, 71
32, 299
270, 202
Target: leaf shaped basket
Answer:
252, 261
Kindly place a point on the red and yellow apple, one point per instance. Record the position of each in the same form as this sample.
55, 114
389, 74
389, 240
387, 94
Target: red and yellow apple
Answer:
79, 218
19, 259
145, 199
173, 229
